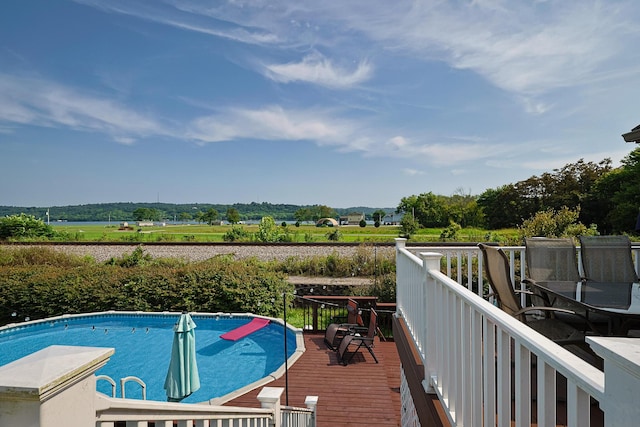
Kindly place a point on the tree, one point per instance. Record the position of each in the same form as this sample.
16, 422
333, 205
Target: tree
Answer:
147, 214
408, 226
500, 207
267, 230
185, 216
303, 214
233, 216
427, 209
210, 216
323, 211
616, 198
378, 215
362, 223
24, 226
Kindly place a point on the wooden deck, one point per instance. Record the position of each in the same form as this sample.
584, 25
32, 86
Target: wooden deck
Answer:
362, 393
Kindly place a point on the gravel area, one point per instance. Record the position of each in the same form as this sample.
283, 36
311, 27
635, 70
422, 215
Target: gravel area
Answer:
103, 253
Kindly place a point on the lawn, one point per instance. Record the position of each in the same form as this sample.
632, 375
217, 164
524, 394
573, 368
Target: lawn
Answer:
302, 234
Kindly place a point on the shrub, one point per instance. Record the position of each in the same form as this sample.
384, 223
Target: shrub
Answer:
236, 234
218, 284
24, 226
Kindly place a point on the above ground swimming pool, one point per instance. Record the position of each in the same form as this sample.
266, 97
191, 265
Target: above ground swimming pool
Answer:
143, 341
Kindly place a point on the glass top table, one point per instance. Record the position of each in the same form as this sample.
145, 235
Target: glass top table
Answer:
618, 302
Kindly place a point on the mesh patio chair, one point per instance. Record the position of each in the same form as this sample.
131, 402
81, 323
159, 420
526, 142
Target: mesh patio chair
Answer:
551, 259
497, 269
607, 259
337, 331
366, 341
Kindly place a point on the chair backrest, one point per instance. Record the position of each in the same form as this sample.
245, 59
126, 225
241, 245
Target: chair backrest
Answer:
497, 268
353, 314
551, 259
607, 259
373, 324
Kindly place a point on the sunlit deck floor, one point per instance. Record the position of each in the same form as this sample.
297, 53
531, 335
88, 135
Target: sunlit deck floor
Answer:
362, 393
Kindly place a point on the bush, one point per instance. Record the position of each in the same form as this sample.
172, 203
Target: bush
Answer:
236, 234
24, 227
219, 284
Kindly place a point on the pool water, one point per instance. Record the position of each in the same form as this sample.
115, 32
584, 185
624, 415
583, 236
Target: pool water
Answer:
143, 343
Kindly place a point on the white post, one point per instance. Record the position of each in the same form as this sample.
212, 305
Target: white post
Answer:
269, 398
621, 379
53, 387
312, 403
430, 261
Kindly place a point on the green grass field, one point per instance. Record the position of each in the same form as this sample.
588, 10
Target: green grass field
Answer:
302, 234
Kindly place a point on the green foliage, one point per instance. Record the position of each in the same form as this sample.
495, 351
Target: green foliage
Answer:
267, 230
38, 289
451, 232
408, 226
233, 216
376, 224
362, 223
147, 214
210, 216
367, 261
378, 215
27, 256
383, 287
334, 236
236, 234
22, 226
135, 259
552, 223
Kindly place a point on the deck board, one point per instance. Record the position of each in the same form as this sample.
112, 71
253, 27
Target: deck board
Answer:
362, 393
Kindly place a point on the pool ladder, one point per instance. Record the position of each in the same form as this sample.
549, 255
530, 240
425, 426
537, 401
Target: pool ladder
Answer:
123, 381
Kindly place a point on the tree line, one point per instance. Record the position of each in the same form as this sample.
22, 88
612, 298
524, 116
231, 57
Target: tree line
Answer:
127, 211
602, 197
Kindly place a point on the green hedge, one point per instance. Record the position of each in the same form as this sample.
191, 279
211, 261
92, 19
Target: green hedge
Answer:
39, 289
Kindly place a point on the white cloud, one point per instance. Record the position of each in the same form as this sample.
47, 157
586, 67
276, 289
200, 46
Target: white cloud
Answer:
317, 69
269, 123
524, 47
37, 102
412, 172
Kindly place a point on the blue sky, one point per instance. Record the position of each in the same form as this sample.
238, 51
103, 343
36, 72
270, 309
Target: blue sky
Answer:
340, 103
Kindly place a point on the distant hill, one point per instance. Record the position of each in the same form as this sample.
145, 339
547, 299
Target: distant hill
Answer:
123, 211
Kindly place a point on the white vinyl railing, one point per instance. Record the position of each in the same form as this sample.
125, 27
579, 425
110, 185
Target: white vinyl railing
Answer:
481, 361
465, 265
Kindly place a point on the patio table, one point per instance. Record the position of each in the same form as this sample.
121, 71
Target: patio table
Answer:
618, 303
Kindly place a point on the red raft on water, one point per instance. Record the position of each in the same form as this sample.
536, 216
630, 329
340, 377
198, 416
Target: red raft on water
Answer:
246, 329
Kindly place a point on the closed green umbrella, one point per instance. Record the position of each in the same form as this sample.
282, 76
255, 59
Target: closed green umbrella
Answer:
182, 377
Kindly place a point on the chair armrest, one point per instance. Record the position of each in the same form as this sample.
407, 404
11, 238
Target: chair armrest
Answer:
558, 310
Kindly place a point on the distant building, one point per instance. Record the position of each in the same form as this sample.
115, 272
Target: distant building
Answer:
392, 218
144, 223
352, 219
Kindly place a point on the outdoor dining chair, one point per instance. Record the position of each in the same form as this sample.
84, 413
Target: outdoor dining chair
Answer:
607, 259
551, 259
497, 269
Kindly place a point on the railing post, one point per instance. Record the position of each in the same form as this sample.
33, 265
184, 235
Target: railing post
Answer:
430, 261
314, 308
269, 398
621, 379
53, 387
312, 403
